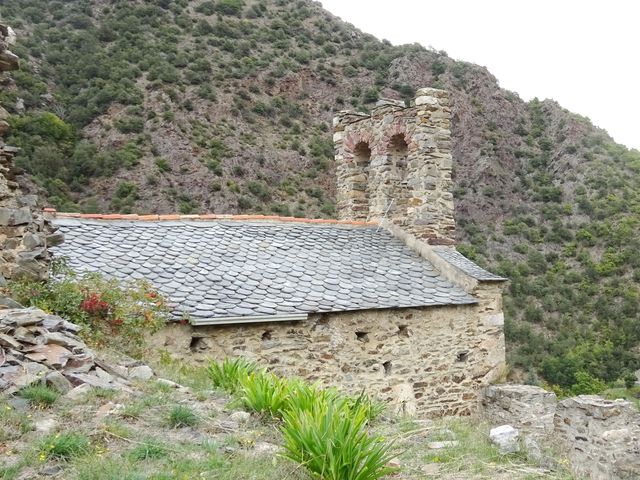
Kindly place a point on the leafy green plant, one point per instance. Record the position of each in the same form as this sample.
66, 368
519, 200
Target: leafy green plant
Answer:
332, 442
40, 395
111, 312
371, 407
265, 393
228, 375
181, 416
63, 446
324, 430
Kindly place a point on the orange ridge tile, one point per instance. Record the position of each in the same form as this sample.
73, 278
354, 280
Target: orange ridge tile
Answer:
206, 216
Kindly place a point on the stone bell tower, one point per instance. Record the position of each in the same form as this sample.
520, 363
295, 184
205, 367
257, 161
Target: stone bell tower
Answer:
396, 164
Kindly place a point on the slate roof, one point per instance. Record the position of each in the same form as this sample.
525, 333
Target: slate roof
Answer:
467, 266
214, 270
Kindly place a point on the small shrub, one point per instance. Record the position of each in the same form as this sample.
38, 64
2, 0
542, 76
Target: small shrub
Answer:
63, 446
229, 7
181, 416
111, 312
126, 189
40, 395
130, 125
163, 165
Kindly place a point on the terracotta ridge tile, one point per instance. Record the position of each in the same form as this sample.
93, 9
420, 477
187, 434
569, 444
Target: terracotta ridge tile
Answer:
205, 216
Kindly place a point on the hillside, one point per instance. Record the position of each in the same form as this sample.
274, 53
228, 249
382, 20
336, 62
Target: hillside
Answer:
176, 105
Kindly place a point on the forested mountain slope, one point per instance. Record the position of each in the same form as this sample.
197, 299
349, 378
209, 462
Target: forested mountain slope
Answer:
225, 106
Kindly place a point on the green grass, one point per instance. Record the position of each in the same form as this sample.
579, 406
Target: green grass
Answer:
63, 446
181, 416
473, 452
197, 378
112, 468
152, 448
473, 457
40, 395
13, 423
146, 403
188, 462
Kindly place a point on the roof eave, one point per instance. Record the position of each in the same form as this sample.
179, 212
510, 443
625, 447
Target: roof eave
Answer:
293, 317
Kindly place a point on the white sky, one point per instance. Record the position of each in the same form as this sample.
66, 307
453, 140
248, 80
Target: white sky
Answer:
584, 54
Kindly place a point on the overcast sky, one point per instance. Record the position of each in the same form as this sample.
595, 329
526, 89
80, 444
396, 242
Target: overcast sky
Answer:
584, 54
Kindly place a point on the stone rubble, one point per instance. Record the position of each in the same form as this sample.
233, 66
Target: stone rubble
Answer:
38, 348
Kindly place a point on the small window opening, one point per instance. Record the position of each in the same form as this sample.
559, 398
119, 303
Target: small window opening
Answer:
362, 336
387, 367
403, 331
196, 343
398, 154
266, 335
398, 150
462, 356
362, 153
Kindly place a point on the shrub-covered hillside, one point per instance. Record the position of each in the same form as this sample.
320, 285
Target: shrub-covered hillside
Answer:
225, 106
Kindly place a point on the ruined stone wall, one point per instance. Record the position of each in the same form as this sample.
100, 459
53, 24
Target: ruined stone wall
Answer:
396, 164
431, 361
24, 233
601, 438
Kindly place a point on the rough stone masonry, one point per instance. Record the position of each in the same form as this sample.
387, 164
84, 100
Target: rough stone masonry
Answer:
601, 438
396, 164
24, 232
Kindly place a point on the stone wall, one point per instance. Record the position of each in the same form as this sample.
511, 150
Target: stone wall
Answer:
431, 361
396, 164
601, 438
24, 233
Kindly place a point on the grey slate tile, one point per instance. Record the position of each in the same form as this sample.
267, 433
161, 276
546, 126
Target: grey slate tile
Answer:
219, 269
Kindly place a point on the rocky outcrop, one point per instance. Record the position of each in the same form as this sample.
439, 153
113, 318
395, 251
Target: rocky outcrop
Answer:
8, 60
601, 438
24, 233
36, 347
